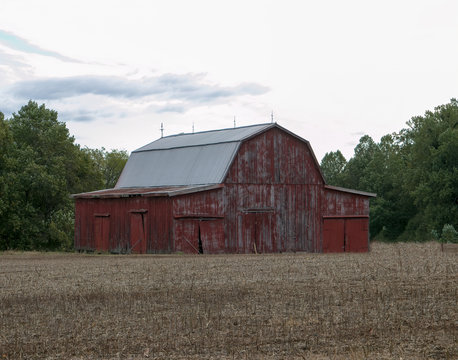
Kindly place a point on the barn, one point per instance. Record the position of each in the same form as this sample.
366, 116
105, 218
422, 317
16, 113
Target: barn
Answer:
251, 189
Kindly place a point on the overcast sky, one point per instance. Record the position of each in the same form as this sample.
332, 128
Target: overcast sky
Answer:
331, 71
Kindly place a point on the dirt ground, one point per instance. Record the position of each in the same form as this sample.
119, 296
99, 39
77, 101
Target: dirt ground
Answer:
398, 301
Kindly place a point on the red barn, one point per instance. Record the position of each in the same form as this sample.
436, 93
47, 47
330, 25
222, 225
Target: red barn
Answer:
242, 190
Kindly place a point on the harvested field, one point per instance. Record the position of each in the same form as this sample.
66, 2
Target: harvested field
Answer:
398, 301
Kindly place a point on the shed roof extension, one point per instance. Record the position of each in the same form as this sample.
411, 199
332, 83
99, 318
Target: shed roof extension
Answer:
169, 191
186, 159
351, 191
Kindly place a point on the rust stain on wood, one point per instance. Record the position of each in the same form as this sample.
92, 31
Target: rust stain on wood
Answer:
273, 199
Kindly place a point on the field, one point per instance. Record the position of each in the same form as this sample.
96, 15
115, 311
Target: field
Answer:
398, 301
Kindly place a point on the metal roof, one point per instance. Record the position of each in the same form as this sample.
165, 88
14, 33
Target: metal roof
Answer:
351, 191
205, 137
206, 164
186, 159
146, 192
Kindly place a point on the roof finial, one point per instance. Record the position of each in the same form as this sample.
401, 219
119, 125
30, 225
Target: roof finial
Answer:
234, 120
162, 130
272, 117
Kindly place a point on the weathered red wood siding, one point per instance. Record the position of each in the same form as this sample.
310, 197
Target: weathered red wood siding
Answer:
275, 177
156, 213
199, 216
343, 203
273, 200
199, 204
351, 213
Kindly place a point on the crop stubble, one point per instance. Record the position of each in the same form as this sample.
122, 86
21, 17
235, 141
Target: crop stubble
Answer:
399, 300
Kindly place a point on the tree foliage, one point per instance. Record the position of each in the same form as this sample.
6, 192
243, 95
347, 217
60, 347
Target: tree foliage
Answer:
109, 164
40, 167
332, 166
414, 173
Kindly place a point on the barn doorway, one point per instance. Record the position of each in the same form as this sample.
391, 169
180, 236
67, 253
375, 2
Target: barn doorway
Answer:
345, 234
102, 232
137, 243
211, 236
256, 231
199, 235
334, 235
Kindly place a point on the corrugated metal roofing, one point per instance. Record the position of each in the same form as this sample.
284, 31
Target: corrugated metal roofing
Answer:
142, 191
351, 191
205, 137
206, 164
187, 159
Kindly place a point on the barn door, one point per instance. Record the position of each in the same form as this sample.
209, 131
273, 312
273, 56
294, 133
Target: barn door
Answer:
199, 236
138, 232
256, 230
211, 236
345, 234
187, 236
333, 235
101, 232
264, 232
356, 235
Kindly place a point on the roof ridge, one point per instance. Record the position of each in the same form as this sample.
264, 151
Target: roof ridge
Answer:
189, 146
215, 130
203, 138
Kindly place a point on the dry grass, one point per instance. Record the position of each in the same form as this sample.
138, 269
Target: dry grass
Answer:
398, 301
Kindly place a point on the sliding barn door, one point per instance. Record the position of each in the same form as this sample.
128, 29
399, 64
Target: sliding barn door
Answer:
138, 233
346, 234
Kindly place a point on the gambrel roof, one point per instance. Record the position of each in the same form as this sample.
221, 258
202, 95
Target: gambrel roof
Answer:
186, 163
186, 159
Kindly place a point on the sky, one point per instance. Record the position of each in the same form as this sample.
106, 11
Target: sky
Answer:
330, 71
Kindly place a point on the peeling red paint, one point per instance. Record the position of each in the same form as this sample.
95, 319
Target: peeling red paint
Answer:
273, 199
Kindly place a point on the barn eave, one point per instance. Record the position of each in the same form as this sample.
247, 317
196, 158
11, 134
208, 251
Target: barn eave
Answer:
350, 191
169, 191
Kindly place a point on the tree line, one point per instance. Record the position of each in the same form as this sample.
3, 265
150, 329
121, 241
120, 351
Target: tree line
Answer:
414, 173
40, 166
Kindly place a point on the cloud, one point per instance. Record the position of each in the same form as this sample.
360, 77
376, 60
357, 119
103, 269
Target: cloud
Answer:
358, 133
13, 61
8, 105
86, 115
172, 108
20, 44
182, 87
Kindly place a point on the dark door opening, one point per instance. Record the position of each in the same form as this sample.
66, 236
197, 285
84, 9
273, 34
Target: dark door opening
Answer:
199, 235
201, 249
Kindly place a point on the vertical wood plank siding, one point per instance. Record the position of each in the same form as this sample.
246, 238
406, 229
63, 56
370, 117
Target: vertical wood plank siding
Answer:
337, 203
274, 172
273, 200
156, 210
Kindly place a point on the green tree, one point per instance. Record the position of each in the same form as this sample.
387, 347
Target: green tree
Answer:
115, 162
414, 173
431, 171
332, 166
355, 174
5, 145
393, 207
42, 167
109, 164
